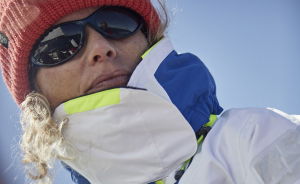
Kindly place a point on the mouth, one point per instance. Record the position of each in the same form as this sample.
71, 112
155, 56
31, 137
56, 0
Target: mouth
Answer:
108, 81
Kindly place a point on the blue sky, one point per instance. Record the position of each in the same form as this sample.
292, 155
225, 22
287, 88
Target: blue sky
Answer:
250, 47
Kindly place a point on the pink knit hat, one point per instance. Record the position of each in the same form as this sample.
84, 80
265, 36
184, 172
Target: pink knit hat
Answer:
23, 21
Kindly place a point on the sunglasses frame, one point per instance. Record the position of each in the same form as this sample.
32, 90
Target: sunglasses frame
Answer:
82, 23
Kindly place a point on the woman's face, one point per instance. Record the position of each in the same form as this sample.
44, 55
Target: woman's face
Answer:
101, 64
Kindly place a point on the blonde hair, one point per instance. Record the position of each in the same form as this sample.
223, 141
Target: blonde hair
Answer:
42, 138
163, 25
42, 141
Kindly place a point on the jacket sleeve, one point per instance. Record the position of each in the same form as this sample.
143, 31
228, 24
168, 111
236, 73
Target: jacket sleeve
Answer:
249, 146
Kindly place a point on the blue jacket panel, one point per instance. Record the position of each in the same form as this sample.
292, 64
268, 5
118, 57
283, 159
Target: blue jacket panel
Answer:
190, 87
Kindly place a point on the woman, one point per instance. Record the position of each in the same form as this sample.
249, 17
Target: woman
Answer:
113, 101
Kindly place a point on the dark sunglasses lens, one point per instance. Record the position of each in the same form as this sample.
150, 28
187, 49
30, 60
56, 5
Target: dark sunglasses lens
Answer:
60, 44
116, 24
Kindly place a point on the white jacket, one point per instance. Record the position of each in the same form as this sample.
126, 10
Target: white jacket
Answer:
249, 146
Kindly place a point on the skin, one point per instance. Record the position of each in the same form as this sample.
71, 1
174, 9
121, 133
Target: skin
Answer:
100, 65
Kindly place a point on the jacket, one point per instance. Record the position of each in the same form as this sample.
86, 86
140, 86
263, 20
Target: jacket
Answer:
236, 150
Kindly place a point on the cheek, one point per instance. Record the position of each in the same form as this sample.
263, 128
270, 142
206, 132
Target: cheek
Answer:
140, 43
53, 83
136, 46
46, 80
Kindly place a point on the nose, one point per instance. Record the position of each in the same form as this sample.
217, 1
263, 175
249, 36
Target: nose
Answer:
98, 48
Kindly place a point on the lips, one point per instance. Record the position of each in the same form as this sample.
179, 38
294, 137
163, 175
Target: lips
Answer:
104, 82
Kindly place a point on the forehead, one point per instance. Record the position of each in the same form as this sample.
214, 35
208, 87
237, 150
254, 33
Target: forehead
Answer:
80, 14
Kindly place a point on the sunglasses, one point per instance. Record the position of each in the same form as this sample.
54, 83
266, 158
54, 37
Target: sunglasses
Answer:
62, 42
